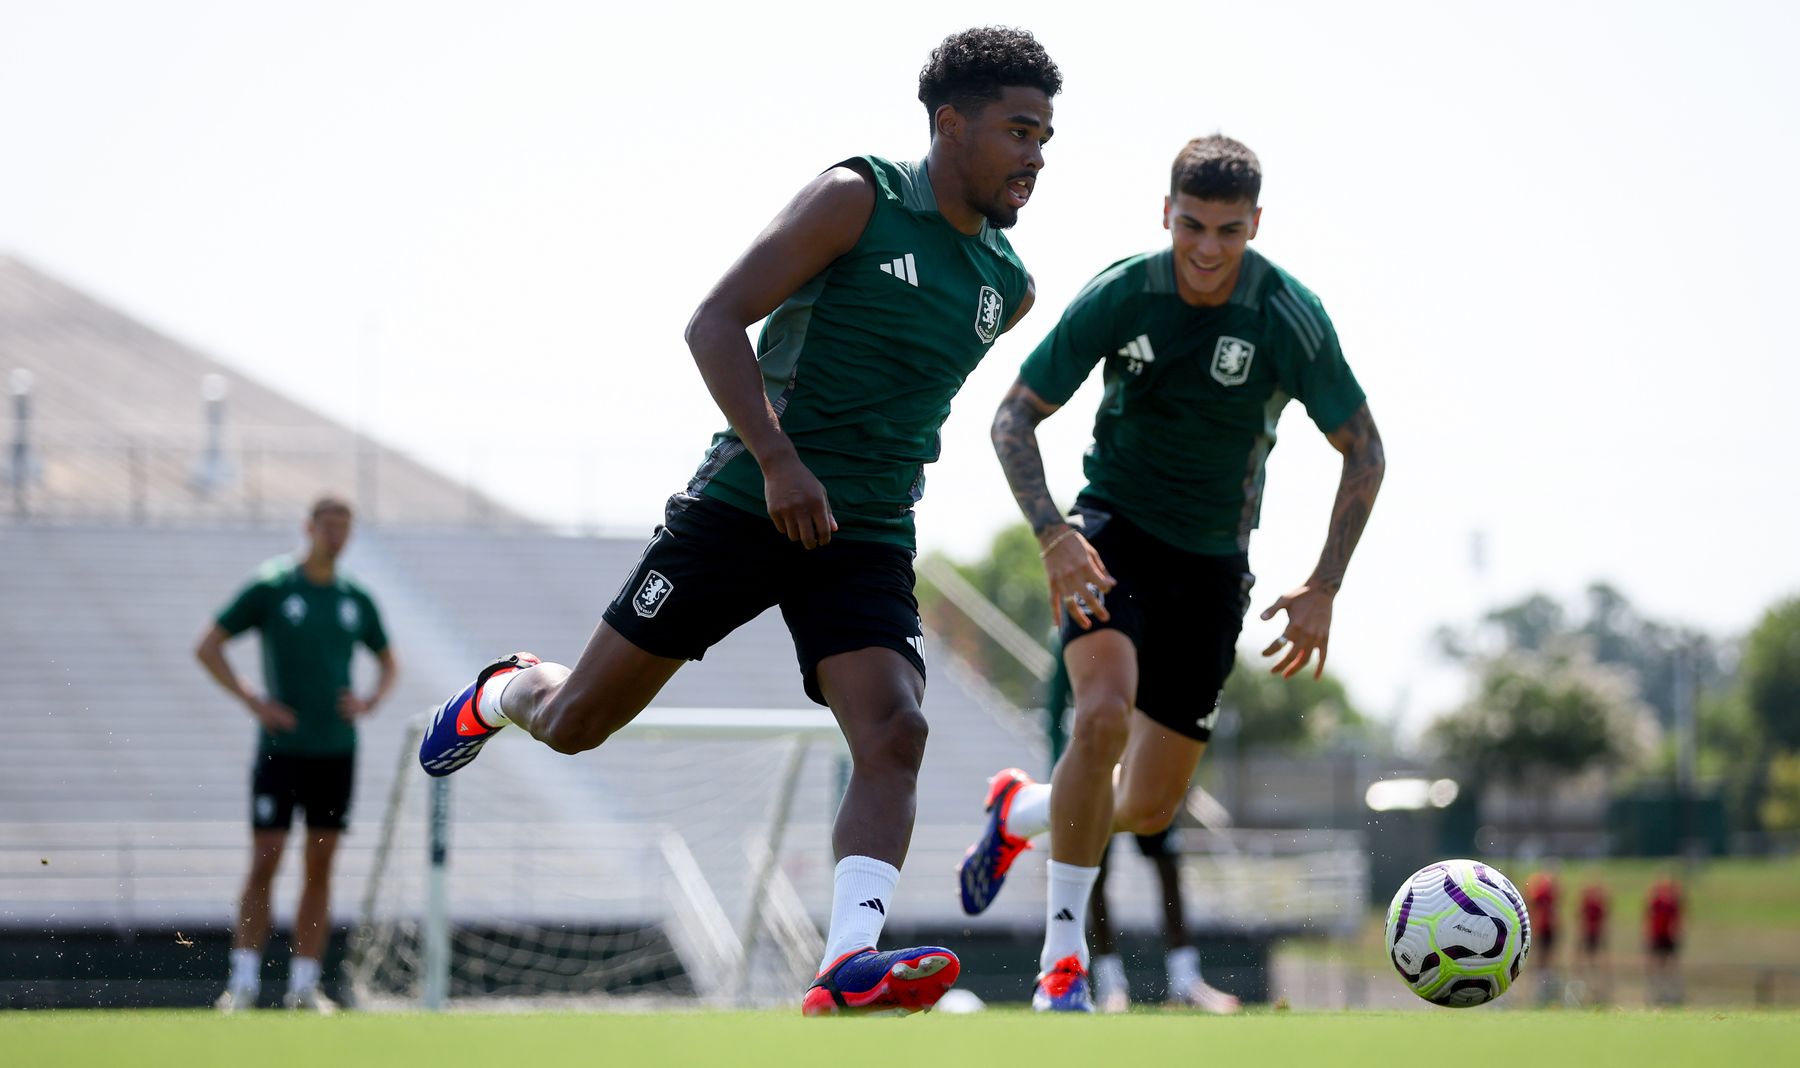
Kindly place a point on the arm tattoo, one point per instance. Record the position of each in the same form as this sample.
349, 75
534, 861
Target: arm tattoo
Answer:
1015, 441
1364, 464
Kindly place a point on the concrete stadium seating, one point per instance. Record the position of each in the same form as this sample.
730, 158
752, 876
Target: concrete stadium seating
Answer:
123, 783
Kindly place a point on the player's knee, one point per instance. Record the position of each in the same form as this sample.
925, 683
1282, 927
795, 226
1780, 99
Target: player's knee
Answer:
895, 741
1141, 819
1102, 727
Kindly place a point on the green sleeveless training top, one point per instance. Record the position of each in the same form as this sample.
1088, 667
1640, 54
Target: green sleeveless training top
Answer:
861, 363
1193, 394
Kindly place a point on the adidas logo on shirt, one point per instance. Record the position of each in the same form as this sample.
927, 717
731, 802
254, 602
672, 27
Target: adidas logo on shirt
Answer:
875, 903
903, 268
1065, 914
1137, 353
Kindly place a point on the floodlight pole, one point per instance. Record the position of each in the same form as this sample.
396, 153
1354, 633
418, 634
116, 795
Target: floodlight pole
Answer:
1686, 744
21, 446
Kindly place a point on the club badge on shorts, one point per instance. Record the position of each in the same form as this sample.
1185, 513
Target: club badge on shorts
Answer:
652, 594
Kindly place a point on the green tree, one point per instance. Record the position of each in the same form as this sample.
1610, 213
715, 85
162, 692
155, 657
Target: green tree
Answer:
1545, 715
1010, 575
1670, 664
1769, 675
1290, 714
1780, 809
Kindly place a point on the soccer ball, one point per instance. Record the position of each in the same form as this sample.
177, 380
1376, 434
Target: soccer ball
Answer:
1457, 932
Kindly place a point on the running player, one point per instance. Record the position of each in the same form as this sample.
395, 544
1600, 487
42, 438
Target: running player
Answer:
884, 285
310, 618
1203, 343
1112, 989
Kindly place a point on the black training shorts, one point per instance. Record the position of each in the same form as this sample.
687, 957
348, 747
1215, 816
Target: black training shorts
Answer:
319, 784
712, 567
1182, 610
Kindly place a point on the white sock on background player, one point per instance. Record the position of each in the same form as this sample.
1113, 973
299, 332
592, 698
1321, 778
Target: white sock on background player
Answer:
1065, 915
303, 974
1109, 976
1184, 969
246, 971
862, 889
1030, 812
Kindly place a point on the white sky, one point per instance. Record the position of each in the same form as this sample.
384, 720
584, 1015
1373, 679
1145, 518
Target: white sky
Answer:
1556, 241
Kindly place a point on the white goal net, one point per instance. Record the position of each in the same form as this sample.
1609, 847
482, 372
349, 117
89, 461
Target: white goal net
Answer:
673, 864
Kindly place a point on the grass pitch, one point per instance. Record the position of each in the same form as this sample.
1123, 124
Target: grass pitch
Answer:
189, 1039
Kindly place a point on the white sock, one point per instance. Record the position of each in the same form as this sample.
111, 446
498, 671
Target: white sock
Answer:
246, 970
1184, 968
1065, 917
1109, 974
488, 708
1030, 812
303, 974
862, 890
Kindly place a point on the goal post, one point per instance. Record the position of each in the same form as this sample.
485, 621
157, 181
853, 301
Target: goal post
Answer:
655, 887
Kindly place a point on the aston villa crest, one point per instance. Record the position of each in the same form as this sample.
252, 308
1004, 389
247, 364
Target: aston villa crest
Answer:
652, 594
1231, 361
987, 314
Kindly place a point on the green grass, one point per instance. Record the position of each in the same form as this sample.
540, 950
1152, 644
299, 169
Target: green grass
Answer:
189, 1039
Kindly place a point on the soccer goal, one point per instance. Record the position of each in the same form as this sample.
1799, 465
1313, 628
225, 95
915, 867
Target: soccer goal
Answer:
649, 872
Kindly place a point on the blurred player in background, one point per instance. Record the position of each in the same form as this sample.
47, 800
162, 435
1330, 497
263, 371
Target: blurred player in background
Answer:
1662, 941
1203, 343
884, 284
1596, 971
1112, 990
1541, 893
310, 618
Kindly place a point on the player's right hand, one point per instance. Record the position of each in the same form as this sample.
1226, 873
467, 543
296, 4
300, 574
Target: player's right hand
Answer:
273, 715
797, 503
1078, 578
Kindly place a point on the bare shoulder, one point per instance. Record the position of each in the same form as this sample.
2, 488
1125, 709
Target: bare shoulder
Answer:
847, 187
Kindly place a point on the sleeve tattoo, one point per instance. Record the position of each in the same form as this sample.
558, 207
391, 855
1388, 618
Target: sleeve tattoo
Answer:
1015, 441
1365, 463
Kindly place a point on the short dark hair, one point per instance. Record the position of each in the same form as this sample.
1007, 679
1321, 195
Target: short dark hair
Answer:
329, 503
1217, 168
971, 69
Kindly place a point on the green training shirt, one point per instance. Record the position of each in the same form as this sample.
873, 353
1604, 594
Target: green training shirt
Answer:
861, 363
308, 633
1192, 394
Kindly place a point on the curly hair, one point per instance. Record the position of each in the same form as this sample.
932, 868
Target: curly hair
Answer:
1216, 168
973, 67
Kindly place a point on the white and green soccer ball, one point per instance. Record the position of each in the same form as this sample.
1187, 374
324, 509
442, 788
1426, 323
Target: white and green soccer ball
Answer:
1458, 932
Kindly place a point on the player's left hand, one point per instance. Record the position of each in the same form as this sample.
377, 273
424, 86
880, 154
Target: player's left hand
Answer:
352, 707
1308, 629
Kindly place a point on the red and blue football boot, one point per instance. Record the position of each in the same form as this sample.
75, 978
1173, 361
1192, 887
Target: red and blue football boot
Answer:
1064, 988
983, 868
899, 981
457, 733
